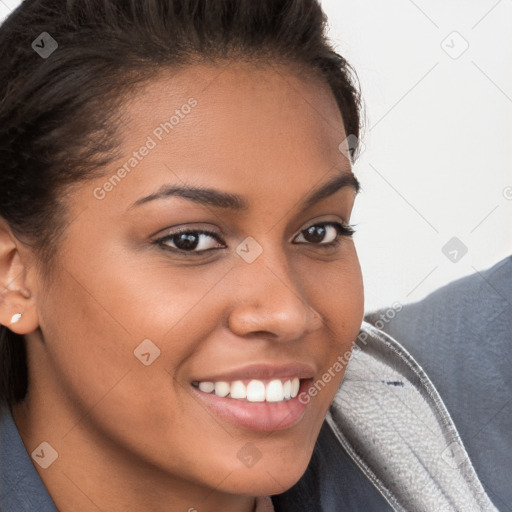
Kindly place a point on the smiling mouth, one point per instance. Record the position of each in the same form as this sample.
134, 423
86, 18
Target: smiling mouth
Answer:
255, 404
254, 390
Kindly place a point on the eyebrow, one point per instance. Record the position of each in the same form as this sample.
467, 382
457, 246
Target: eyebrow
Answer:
219, 199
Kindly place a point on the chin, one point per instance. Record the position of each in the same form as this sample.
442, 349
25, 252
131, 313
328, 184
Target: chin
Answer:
269, 477
267, 481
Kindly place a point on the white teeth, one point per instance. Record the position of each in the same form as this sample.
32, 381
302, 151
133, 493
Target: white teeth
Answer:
256, 391
287, 390
222, 388
207, 387
238, 390
276, 390
295, 387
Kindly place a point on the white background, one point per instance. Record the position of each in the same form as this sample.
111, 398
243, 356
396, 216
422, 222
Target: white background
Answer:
438, 137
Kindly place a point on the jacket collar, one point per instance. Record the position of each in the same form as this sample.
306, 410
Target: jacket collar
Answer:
391, 420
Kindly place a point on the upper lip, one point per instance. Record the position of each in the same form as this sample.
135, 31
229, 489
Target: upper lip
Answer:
262, 371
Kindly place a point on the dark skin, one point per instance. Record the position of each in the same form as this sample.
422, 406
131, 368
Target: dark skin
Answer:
133, 437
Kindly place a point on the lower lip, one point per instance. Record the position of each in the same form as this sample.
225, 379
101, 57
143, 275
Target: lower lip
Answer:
264, 416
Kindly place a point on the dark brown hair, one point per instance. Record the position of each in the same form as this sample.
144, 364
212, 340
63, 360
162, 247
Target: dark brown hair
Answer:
59, 114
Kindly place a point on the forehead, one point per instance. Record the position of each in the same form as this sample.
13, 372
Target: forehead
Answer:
236, 125
239, 100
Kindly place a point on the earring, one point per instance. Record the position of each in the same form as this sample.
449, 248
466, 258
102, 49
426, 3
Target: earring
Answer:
15, 318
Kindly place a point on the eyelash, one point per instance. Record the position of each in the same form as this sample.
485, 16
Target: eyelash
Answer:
343, 230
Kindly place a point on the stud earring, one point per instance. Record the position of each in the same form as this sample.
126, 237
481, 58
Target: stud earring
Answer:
15, 318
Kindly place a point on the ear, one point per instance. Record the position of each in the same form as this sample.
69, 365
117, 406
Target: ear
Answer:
16, 297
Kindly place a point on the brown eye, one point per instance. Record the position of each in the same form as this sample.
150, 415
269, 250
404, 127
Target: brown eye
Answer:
326, 233
195, 241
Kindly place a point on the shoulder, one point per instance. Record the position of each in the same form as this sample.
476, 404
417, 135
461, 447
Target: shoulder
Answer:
461, 335
462, 308
21, 489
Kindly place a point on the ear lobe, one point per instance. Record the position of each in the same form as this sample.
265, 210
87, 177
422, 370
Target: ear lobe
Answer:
15, 297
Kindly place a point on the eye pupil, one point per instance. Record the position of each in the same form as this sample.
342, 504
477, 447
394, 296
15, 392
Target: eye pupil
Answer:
317, 234
186, 241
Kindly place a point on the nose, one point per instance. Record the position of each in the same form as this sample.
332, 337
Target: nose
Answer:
269, 302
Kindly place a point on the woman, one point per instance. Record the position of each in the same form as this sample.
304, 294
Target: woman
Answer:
181, 290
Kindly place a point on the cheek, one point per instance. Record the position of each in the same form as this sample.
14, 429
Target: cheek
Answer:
90, 339
118, 331
337, 294
335, 290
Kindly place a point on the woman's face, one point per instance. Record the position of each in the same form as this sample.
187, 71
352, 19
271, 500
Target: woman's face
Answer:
132, 324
